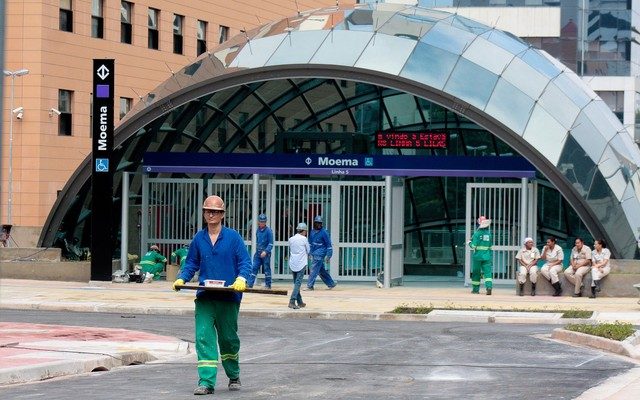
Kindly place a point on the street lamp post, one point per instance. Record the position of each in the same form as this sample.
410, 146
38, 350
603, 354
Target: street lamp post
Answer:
12, 75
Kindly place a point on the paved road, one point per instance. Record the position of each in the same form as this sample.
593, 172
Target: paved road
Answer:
328, 359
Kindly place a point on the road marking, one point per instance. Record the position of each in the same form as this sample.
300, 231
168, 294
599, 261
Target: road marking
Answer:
589, 360
280, 353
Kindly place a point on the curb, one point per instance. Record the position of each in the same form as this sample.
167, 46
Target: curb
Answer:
624, 348
61, 368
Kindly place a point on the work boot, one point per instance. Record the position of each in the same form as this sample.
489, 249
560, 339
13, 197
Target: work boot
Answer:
301, 304
201, 390
593, 292
292, 304
597, 285
558, 289
234, 384
533, 289
577, 294
521, 290
489, 292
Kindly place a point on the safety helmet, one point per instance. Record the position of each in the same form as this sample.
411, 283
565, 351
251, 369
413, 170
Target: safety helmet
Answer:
262, 218
154, 247
318, 219
213, 203
301, 227
484, 222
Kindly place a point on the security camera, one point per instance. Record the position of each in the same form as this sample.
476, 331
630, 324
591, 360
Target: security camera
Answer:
17, 110
20, 115
54, 111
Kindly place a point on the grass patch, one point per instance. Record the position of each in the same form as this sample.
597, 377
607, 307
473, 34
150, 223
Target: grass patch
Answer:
406, 309
616, 331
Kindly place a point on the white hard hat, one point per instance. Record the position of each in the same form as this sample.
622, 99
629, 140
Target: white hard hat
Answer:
301, 227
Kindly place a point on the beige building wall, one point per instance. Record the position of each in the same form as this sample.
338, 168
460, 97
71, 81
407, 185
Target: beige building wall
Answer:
43, 161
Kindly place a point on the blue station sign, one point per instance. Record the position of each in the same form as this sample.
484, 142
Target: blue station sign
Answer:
338, 164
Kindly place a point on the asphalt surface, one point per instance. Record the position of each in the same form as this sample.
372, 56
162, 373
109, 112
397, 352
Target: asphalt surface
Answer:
332, 359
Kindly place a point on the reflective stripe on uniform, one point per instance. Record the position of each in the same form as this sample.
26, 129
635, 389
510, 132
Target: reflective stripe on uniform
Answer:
475, 282
483, 247
488, 279
208, 364
146, 262
226, 357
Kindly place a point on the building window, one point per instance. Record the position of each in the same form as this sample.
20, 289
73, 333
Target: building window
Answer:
178, 22
223, 33
97, 22
65, 98
125, 106
126, 22
154, 34
201, 45
66, 16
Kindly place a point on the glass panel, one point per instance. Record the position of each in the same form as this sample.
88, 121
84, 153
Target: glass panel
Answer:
525, 78
257, 52
567, 86
386, 54
612, 173
324, 97
469, 25
202, 30
507, 41
96, 8
298, 47
471, 83
559, 105
125, 12
477, 53
448, 38
587, 135
342, 48
429, 65
153, 19
537, 61
606, 123
406, 26
402, 110
545, 134
177, 24
577, 166
66, 4
510, 106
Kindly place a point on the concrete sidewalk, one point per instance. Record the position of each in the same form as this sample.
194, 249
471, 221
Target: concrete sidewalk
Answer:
31, 352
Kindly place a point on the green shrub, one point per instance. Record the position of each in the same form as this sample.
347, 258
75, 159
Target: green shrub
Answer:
616, 331
577, 314
421, 309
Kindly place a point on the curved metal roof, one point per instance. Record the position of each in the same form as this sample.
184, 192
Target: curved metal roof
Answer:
520, 94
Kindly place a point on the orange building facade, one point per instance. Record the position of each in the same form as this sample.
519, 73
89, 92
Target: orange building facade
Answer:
47, 122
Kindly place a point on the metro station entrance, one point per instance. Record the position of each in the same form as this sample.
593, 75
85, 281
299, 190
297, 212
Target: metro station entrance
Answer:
353, 213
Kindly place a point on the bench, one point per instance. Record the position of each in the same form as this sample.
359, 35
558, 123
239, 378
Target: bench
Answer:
619, 283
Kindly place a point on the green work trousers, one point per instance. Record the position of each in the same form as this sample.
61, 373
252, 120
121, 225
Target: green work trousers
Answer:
154, 269
481, 268
217, 324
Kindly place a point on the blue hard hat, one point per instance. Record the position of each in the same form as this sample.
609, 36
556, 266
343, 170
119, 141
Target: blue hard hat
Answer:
318, 218
262, 218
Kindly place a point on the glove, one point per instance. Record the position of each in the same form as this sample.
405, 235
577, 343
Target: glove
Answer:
177, 283
240, 285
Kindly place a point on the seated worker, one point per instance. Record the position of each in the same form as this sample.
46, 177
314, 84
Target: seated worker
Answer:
153, 262
527, 257
579, 266
554, 256
600, 266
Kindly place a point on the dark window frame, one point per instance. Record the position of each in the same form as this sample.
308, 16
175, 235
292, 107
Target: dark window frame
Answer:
126, 25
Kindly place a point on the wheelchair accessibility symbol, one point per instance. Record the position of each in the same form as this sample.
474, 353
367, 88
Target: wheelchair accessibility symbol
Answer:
102, 165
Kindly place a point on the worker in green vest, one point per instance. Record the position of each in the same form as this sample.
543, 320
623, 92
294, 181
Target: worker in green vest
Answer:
153, 262
482, 260
179, 255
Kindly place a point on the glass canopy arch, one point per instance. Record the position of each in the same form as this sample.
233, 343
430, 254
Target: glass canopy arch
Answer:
488, 78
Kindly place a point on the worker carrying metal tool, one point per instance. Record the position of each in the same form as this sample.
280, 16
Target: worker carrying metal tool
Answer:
482, 260
218, 253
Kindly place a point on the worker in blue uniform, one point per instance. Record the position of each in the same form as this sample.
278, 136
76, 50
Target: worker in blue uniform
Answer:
481, 243
321, 252
262, 257
218, 253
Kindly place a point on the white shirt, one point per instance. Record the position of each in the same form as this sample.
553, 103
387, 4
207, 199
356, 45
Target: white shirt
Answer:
527, 256
298, 252
605, 254
554, 254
